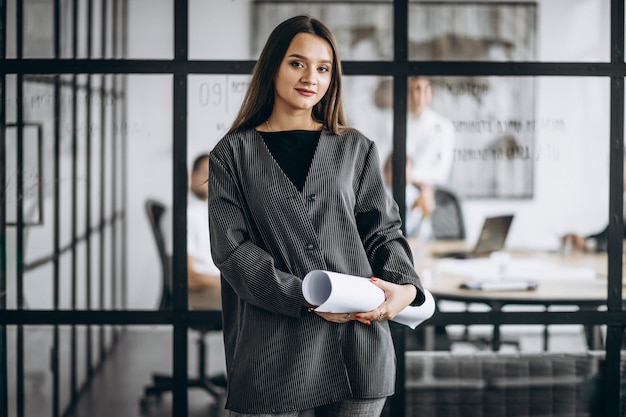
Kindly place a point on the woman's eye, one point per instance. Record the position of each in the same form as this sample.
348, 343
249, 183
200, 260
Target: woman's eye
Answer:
297, 64
323, 69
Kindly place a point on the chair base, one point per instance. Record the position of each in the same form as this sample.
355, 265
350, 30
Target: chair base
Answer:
214, 386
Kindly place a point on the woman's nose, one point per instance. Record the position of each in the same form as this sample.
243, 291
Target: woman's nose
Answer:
309, 76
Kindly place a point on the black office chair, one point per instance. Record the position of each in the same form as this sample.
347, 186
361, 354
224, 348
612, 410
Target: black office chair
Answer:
447, 218
164, 383
447, 224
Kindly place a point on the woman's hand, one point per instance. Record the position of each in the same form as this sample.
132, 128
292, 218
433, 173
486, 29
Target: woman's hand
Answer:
397, 297
336, 317
426, 199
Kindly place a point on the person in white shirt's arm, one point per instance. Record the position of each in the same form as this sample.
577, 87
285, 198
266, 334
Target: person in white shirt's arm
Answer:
202, 274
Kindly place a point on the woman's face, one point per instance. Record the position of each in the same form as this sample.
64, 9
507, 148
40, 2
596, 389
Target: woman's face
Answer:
420, 95
304, 74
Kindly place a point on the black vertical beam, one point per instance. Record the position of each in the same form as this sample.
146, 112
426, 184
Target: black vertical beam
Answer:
179, 209
123, 122
102, 188
74, 242
114, 132
88, 195
19, 260
54, 353
616, 220
4, 387
401, 55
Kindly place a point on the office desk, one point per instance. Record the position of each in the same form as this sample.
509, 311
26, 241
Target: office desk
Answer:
587, 293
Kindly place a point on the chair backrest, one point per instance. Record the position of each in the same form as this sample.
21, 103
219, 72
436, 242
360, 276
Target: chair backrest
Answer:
447, 218
155, 210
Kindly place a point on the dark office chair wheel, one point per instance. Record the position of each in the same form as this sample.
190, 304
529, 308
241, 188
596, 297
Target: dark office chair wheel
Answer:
145, 405
218, 380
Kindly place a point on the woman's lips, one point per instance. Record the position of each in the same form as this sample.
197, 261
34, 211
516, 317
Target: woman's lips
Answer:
305, 92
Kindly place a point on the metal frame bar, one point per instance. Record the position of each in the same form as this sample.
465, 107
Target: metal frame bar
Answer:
396, 404
88, 194
39, 147
614, 336
4, 388
399, 69
179, 210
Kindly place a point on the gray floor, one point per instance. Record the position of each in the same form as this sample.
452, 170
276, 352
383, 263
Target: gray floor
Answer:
117, 389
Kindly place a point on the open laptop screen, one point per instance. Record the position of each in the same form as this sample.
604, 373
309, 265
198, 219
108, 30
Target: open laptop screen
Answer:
493, 234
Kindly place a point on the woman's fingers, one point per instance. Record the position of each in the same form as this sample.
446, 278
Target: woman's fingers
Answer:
397, 297
336, 317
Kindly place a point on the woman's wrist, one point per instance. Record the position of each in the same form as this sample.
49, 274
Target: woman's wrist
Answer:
413, 291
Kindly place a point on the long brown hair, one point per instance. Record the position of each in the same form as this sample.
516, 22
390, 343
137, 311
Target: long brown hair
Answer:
259, 99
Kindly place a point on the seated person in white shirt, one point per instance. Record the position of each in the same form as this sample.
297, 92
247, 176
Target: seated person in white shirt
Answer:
420, 203
202, 274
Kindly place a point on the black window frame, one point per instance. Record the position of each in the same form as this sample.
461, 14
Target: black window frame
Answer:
180, 67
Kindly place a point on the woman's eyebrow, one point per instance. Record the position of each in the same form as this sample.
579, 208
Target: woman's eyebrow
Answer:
326, 61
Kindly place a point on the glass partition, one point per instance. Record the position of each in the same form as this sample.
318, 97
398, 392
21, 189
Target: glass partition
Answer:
531, 146
213, 103
150, 29
97, 21
363, 29
148, 131
71, 130
509, 31
368, 104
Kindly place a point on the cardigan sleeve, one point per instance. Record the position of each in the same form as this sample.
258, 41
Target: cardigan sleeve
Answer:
247, 268
379, 223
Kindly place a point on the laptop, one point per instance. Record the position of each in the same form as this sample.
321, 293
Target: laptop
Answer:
492, 238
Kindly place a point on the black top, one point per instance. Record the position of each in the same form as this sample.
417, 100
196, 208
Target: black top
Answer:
293, 150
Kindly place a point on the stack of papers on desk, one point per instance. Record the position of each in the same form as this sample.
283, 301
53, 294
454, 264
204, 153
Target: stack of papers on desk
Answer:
513, 270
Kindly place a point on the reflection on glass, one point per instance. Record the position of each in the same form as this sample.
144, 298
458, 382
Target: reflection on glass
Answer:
509, 31
38, 38
472, 32
38, 27
31, 173
474, 134
68, 165
515, 138
369, 107
150, 32
38, 383
209, 20
364, 30
147, 130
213, 103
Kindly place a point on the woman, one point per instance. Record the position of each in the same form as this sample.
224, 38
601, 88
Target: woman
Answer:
292, 189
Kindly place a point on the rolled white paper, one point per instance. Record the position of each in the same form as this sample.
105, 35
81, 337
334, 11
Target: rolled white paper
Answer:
333, 292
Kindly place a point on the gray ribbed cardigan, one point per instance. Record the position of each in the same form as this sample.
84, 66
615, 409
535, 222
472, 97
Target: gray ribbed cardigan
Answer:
266, 236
